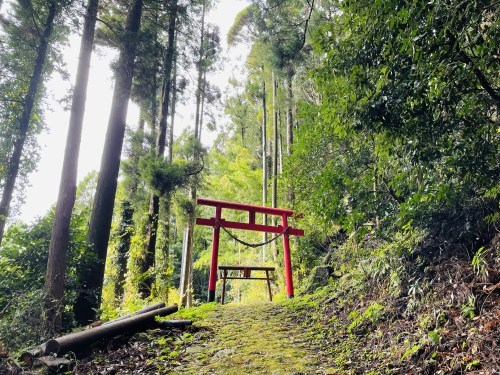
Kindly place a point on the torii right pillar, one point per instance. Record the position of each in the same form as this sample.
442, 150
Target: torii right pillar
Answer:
287, 258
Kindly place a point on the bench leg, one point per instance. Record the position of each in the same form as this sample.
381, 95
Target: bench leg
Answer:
269, 286
223, 286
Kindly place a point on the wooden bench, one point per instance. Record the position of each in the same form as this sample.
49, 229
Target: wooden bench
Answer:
244, 273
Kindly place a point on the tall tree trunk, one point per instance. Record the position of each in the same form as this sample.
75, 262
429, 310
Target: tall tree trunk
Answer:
264, 163
154, 203
127, 223
172, 112
203, 97
186, 296
274, 180
200, 75
274, 193
102, 210
24, 121
56, 264
289, 118
289, 131
280, 143
154, 89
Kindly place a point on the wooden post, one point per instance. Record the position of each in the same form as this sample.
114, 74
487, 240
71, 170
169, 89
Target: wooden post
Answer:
224, 276
269, 286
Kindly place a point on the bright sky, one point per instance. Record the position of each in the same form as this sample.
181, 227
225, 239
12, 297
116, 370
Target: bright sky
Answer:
42, 193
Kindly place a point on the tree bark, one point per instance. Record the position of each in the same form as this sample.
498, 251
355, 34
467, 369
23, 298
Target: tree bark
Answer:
102, 210
172, 112
203, 97
56, 263
24, 121
148, 262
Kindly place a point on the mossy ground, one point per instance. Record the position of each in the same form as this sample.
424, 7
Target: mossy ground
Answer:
259, 338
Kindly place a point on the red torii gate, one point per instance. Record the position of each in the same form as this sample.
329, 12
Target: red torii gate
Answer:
217, 222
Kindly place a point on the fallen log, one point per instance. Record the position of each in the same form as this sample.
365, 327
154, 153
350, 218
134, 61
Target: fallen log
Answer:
78, 341
29, 355
153, 307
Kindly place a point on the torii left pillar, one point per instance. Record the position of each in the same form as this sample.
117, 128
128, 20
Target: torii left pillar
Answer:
212, 281
217, 221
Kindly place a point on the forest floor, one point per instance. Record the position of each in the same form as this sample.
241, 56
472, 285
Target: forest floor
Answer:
260, 338
446, 322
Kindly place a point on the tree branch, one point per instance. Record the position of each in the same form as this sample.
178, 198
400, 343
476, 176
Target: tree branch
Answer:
307, 23
483, 81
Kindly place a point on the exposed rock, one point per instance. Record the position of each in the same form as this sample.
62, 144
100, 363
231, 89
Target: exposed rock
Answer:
224, 352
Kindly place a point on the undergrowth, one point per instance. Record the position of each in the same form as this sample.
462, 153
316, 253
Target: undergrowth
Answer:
399, 309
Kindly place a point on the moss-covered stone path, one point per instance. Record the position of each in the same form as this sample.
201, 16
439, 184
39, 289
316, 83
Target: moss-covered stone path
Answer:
249, 339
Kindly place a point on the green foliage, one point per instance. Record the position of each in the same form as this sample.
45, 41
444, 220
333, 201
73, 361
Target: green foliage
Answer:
23, 260
244, 25
404, 134
164, 177
480, 264
469, 309
372, 314
411, 351
21, 325
434, 337
197, 313
235, 175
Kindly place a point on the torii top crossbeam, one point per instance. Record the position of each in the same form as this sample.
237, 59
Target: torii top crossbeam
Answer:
217, 222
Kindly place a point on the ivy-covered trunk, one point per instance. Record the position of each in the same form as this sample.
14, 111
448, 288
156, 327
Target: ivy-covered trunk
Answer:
125, 235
